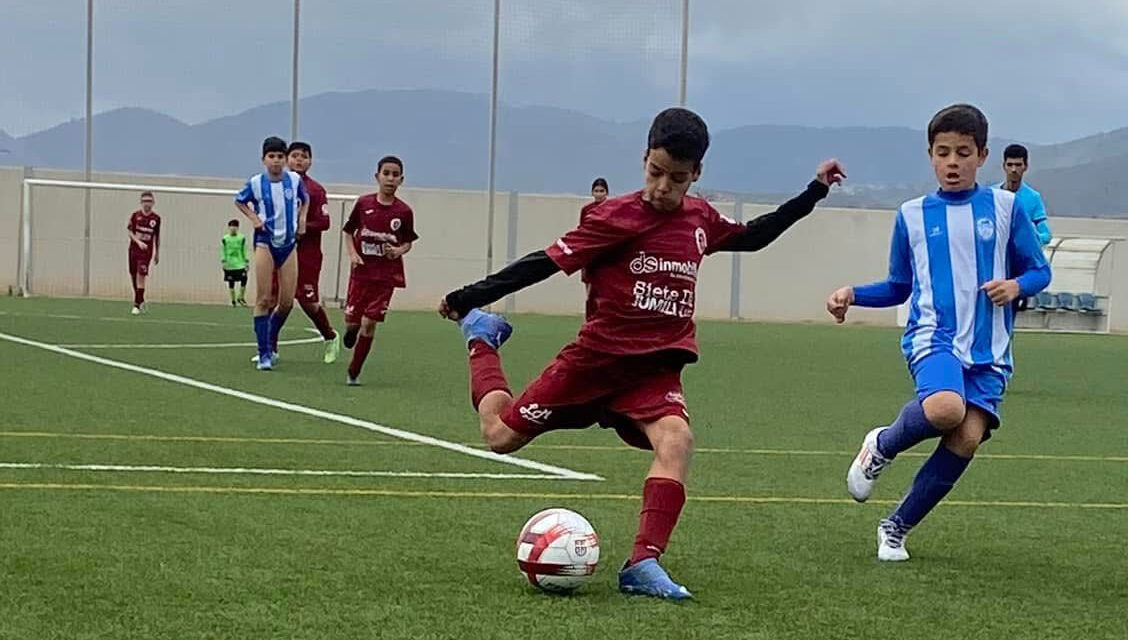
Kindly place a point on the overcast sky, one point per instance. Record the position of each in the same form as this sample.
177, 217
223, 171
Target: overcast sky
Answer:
1044, 70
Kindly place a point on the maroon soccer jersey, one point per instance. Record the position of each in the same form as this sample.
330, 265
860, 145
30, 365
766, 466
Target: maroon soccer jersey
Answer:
641, 266
373, 225
317, 219
147, 227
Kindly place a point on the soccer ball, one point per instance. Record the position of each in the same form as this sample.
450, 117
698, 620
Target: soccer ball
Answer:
558, 550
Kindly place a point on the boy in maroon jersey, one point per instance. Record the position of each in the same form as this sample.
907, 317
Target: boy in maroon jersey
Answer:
641, 253
599, 193
379, 232
299, 157
144, 229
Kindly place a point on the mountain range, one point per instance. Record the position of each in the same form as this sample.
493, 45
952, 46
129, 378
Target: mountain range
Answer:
443, 138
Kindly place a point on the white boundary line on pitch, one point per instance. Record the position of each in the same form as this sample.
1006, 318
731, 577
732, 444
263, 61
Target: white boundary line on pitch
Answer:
71, 316
309, 411
203, 345
346, 473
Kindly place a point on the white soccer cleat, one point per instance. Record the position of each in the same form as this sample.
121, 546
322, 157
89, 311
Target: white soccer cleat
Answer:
866, 468
136, 311
891, 542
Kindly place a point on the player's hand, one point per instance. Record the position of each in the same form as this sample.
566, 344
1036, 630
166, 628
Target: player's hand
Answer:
830, 172
393, 252
1002, 292
356, 260
142, 246
446, 312
156, 260
839, 302
259, 225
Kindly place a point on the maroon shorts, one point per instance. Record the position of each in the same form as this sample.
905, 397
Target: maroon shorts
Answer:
139, 263
309, 279
583, 387
367, 299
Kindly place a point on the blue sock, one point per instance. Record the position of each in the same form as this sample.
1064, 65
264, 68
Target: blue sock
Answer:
934, 480
908, 430
276, 322
262, 334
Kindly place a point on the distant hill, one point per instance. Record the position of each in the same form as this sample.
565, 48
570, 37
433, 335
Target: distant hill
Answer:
443, 138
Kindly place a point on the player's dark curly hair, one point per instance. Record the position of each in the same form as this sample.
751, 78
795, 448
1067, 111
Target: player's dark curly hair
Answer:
682, 133
272, 144
959, 118
389, 160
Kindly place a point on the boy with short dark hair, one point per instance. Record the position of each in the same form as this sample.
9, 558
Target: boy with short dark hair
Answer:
962, 254
276, 202
641, 253
379, 232
144, 230
299, 157
233, 257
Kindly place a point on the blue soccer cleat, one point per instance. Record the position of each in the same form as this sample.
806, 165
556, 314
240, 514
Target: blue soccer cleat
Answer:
265, 363
648, 578
490, 328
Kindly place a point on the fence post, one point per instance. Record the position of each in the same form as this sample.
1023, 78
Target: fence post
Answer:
734, 293
511, 245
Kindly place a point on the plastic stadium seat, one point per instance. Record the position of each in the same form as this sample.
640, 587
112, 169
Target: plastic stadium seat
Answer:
1087, 303
1067, 302
1047, 301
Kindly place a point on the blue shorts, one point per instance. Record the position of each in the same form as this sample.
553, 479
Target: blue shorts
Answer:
981, 385
280, 254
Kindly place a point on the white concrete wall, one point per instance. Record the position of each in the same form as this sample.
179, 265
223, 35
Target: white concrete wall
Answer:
788, 281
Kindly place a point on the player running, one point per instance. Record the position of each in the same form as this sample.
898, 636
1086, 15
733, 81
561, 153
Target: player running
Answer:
963, 254
379, 232
299, 157
641, 252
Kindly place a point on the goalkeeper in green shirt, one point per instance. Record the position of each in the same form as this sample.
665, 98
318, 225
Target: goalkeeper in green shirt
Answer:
233, 254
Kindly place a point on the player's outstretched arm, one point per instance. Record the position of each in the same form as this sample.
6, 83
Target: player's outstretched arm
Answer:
525, 272
762, 231
892, 291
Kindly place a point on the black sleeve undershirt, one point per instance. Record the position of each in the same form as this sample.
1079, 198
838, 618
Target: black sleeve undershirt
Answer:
760, 232
525, 272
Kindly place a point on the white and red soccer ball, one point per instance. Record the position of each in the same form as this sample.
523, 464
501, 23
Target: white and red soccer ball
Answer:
558, 550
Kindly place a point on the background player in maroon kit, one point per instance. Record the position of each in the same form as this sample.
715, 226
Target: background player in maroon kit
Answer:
599, 193
641, 252
299, 157
144, 229
379, 231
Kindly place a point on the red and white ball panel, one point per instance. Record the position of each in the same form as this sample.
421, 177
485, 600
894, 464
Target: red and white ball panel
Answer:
558, 550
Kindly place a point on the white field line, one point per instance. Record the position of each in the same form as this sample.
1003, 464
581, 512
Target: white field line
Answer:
204, 345
131, 320
309, 411
278, 472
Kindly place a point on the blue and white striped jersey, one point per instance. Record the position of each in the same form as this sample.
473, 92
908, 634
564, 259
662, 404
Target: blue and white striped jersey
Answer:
277, 204
947, 245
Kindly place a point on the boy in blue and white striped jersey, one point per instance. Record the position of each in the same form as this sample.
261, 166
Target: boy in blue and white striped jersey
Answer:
276, 203
962, 254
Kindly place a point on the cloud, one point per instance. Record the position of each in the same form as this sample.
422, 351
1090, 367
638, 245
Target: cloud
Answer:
1044, 70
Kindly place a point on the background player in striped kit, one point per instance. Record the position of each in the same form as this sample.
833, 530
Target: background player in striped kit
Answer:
963, 254
276, 202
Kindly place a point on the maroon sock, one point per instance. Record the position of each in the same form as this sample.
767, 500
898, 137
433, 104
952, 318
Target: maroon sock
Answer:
662, 500
485, 372
138, 296
321, 321
360, 354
